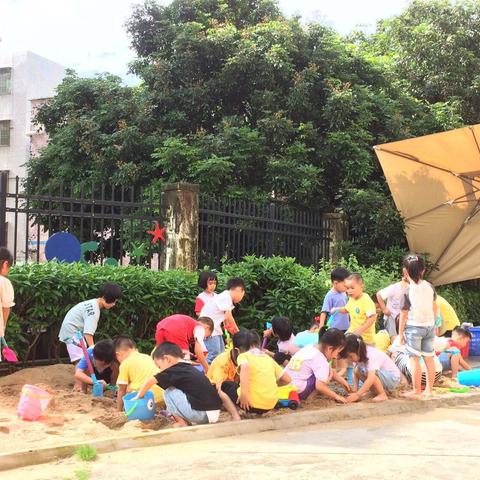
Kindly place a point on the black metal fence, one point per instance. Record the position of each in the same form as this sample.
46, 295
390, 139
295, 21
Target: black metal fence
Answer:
229, 229
116, 218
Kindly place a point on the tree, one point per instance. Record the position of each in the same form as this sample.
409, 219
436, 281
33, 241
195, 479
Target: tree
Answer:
434, 47
246, 103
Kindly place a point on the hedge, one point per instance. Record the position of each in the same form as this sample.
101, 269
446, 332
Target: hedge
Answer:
274, 286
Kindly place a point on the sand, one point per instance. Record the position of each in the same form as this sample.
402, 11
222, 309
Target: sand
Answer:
77, 417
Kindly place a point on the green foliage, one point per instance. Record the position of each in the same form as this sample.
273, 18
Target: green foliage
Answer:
87, 453
82, 474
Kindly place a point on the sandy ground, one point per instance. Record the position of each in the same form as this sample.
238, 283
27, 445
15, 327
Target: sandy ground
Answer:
440, 444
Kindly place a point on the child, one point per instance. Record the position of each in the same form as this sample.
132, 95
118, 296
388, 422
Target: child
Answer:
448, 351
308, 337
260, 376
361, 309
188, 394
219, 309
6, 289
392, 295
417, 324
84, 317
135, 369
448, 318
224, 367
374, 368
187, 333
336, 297
207, 281
309, 368
105, 367
282, 329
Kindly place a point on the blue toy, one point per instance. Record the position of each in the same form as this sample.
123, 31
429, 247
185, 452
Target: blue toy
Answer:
470, 378
97, 389
140, 409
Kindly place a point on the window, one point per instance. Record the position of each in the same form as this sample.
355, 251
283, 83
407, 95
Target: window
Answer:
5, 133
5, 81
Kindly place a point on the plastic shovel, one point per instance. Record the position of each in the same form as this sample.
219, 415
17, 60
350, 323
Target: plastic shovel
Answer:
8, 354
330, 318
97, 386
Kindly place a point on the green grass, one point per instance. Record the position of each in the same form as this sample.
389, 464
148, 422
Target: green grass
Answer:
86, 453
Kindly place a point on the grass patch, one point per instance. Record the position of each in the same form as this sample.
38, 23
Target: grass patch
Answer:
86, 453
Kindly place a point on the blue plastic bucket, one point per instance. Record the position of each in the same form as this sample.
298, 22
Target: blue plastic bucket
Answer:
475, 342
142, 409
470, 378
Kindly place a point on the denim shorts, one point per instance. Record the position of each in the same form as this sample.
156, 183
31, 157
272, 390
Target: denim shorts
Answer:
390, 380
419, 341
446, 361
215, 346
177, 404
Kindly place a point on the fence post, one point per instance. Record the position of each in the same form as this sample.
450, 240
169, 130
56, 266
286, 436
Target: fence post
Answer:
3, 207
338, 223
180, 214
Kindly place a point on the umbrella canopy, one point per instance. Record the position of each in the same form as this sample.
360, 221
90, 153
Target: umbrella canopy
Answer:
435, 183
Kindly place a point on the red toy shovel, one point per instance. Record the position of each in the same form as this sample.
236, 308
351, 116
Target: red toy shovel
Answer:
8, 354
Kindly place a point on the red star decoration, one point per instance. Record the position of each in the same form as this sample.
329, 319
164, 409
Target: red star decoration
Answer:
157, 233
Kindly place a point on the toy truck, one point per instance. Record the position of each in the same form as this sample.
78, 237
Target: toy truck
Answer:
288, 397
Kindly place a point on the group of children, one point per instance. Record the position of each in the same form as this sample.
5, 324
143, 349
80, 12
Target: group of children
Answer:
192, 372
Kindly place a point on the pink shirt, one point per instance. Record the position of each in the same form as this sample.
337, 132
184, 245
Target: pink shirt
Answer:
306, 362
288, 346
378, 360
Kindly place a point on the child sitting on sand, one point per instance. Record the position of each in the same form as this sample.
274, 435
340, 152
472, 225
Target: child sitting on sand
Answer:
260, 376
105, 367
84, 318
448, 351
135, 369
374, 368
310, 370
188, 394
283, 330
224, 367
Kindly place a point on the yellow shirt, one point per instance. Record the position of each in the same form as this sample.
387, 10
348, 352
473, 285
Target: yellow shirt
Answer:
136, 370
264, 373
449, 317
222, 369
360, 310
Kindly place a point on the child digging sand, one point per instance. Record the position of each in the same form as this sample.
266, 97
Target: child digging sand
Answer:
189, 395
135, 369
310, 370
449, 351
374, 368
84, 318
260, 376
283, 330
105, 367
417, 324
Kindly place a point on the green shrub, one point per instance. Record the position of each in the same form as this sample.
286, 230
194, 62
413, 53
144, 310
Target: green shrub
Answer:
87, 453
275, 286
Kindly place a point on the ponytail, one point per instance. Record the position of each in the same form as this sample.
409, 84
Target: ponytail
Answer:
415, 267
355, 344
241, 343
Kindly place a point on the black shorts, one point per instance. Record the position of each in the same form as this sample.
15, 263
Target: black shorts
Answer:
230, 388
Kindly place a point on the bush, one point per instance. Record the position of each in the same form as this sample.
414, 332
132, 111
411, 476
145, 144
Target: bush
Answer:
275, 286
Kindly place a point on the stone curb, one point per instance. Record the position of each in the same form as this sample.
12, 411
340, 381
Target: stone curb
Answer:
25, 458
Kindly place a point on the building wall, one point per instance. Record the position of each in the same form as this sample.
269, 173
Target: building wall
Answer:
33, 80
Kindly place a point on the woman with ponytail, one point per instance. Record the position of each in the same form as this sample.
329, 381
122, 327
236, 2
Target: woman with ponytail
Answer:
310, 370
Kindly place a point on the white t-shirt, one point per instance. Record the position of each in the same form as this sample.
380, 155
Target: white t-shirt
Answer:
378, 360
288, 346
83, 317
393, 295
199, 336
418, 300
216, 309
6, 300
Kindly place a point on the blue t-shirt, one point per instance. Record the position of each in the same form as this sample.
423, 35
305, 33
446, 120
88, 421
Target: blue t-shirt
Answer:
336, 299
82, 364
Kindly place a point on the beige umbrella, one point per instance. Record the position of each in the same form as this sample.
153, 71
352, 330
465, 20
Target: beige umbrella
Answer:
435, 183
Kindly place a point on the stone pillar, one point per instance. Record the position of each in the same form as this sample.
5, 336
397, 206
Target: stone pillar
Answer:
338, 224
180, 217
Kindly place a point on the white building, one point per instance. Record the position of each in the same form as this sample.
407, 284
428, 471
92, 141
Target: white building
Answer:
26, 80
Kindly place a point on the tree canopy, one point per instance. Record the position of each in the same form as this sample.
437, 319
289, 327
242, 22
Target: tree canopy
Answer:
248, 103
